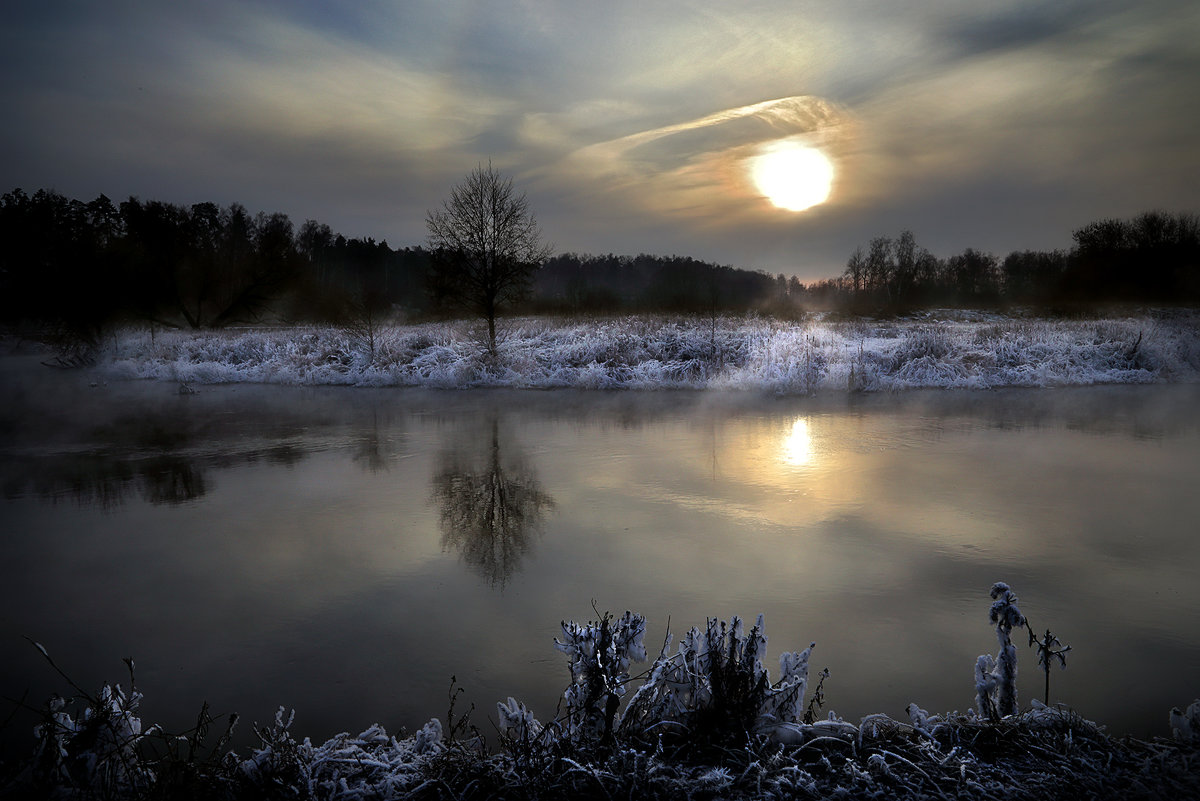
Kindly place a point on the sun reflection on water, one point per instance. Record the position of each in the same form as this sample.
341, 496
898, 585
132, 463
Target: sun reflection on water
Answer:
797, 444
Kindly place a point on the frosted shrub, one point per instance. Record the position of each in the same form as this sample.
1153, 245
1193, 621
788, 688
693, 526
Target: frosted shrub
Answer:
372, 764
96, 748
1185, 726
92, 742
428, 740
1006, 615
279, 761
922, 722
924, 342
599, 655
734, 691
715, 687
786, 697
517, 723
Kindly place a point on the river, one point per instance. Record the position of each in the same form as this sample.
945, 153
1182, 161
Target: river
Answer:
345, 551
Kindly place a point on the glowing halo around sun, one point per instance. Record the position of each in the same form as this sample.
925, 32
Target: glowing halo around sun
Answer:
793, 176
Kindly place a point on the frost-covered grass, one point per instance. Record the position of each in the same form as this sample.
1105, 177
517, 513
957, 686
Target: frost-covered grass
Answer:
705, 722
685, 353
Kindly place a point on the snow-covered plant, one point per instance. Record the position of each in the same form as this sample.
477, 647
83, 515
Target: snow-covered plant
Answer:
1048, 649
517, 723
737, 681
1005, 615
715, 686
1185, 726
428, 740
645, 352
784, 698
372, 764
985, 687
92, 742
922, 722
599, 654
279, 761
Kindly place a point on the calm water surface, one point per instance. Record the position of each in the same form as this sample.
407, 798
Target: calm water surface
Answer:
346, 551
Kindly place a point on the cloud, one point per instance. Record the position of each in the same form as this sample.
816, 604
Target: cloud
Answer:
1037, 100
240, 103
630, 124
698, 168
1018, 27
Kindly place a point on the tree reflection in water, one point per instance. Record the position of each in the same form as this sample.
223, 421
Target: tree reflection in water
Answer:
491, 508
369, 448
172, 479
106, 480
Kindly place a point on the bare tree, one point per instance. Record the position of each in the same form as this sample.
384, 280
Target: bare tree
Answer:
363, 316
486, 246
856, 271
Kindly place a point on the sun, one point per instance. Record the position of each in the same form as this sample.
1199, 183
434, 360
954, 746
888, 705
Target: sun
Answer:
792, 176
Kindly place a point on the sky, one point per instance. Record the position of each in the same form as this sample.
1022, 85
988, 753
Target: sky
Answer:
631, 125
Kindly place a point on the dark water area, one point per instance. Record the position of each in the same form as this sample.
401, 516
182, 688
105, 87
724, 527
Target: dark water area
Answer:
345, 551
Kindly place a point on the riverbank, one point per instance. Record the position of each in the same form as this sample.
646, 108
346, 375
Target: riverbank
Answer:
1021, 760
950, 350
98, 747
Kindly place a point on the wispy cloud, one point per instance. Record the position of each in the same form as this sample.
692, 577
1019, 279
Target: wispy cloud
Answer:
699, 168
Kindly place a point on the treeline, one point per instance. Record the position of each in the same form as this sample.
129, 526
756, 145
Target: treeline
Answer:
573, 283
77, 269
1152, 258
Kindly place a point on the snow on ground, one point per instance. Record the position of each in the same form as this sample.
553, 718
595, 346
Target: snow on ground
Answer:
685, 353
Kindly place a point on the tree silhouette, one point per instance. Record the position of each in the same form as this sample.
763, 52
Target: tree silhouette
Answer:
486, 246
489, 510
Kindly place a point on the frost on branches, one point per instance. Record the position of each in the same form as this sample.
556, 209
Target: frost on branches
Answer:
92, 746
372, 764
706, 719
712, 687
663, 352
599, 655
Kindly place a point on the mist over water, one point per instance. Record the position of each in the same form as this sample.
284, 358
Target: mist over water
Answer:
344, 551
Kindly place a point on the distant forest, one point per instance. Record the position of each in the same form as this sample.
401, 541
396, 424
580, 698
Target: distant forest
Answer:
79, 268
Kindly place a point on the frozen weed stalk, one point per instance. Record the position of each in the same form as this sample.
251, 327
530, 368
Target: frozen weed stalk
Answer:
1005, 615
996, 678
1048, 649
